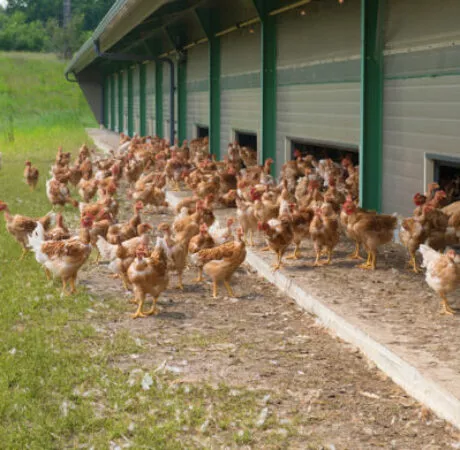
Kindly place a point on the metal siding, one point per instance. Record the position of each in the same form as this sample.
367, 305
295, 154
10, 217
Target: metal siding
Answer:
197, 101
136, 101
166, 99
150, 99
116, 102
240, 66
412, 23
308, 105
109, 103
240, 111
421, 115
125, 101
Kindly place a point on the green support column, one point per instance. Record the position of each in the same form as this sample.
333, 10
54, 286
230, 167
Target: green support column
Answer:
268, 80
159, 98
120, 102
182, 100
106, 100
372, 44
112, 103
143, 99
208, 25
130, 102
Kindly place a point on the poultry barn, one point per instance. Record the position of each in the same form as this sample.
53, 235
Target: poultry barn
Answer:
377, 80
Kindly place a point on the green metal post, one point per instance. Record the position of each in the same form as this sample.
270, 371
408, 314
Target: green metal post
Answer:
182, 100
130, 102
120, 102
372, 44
143, 99
159, 98
106, 100
268, 80
112, 102
208, 25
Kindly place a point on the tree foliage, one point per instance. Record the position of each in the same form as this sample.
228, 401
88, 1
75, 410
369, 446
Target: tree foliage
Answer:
36, 25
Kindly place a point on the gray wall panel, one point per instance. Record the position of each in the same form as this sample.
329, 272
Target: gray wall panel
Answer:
116, 102
240, 110
125, 101
421, 115
150, 102
136, 101
197, 111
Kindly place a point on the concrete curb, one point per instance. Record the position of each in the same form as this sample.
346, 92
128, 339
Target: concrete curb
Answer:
423, 389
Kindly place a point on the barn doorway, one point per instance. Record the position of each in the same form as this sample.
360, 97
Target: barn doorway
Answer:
202, 131
323, 150
447, 175
246, 139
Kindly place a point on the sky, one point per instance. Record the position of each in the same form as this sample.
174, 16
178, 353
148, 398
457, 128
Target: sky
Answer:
3, 2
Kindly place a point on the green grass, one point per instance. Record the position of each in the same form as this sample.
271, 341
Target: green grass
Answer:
60, 386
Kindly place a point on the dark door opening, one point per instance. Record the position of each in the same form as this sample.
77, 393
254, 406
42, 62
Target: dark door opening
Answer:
246, 139
202, 132
447, 175
320, 150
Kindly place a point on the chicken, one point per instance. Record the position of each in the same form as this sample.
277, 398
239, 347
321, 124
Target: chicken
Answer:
58, 193
228, 199
63, 258
412, 234
324, 232
109, 251
199, 242
148, 276
59, 232
370, 230
279, 236
31, 175
301, 219
442, 273
120, 265
21, 226
127, 230
246, 219
222, 235
151, 195
208, 187
177, 248
201, 215
221, 262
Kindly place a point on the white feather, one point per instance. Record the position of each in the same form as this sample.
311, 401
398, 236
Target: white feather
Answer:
273, 223
36, 239
108, 251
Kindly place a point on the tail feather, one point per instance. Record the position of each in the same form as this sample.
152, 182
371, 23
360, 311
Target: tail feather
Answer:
107, 251
36, 239
429, 255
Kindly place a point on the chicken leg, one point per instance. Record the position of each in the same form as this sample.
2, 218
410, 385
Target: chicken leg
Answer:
23, 254
140, 304
413, 264
214, 289
296, 253
251, 239
64, 287
47, 274
179, 282
73, 289
199, 278
355, 254
446, 308
371, 262
329, 257
229, 288
153, 311
278, 263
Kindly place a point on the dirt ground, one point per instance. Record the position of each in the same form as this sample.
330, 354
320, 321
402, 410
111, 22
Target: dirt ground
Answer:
322, 392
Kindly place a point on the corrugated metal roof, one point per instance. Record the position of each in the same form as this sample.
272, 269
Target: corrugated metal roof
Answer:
108, 30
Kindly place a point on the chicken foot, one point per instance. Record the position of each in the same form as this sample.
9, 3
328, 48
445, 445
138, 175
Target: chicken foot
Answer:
355, 254
140, 303
446, 308
296, 253
318, 256
23, 254
278, 263
199, 278
179, 282
229, 288
413, 264
47, 273
371, 262
153, 311
73, 289
251, 239
214, 289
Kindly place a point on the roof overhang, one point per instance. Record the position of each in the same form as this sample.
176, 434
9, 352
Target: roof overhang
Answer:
122, 17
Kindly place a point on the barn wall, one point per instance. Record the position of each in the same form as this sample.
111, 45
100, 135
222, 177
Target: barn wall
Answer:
109, 102
197, 88
421, 95
116, 103
125, 101
136, 101
318, 75
150, 91
240, 84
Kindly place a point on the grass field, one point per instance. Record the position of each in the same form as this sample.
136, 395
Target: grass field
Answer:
58, 386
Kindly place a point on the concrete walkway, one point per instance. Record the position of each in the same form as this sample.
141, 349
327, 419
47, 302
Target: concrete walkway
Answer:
430, 379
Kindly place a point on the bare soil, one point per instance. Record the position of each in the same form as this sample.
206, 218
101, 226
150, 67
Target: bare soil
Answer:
322, 392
